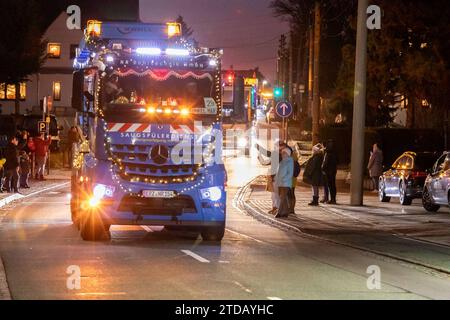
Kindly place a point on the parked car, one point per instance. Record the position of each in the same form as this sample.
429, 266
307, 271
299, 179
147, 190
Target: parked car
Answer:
406, 177
436, 192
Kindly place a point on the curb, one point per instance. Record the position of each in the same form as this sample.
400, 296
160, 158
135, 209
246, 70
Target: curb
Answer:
240, 202
17, 196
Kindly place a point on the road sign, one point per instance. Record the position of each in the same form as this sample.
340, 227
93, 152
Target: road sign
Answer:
284, 109
42, 126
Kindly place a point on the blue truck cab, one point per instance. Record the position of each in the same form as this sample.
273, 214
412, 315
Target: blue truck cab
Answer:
149, 115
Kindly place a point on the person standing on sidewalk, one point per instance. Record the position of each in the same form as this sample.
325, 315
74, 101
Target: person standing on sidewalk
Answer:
375, 165
41, 146
12, 165
313, 173
283, 180
275, 159
329, 169
297, 169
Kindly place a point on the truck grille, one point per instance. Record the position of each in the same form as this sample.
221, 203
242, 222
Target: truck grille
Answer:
138, 164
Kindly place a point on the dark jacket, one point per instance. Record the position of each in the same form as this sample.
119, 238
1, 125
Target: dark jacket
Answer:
12, 156
375, 165
313, 170
330, 162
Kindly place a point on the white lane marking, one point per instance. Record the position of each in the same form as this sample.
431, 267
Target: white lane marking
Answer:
195, 256
244, 235
224, 262
274, 298
147, 228
242, 287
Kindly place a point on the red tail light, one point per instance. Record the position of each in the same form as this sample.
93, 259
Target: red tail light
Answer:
418, 174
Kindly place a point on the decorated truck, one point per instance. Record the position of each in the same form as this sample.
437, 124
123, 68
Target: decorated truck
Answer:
149, 115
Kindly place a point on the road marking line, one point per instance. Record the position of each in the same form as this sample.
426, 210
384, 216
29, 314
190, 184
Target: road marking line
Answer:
147, 228
244, 235
274, 298
242, 287
222, 261
195, 256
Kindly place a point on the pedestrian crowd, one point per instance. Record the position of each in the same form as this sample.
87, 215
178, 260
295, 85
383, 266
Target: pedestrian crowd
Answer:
16, 160
319, 172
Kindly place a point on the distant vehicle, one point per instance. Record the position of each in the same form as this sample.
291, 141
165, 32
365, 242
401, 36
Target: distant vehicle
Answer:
406, 177
436, 192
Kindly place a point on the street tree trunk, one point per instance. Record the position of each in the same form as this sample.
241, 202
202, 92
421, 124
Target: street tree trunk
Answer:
17, 99
316, 92
411, 113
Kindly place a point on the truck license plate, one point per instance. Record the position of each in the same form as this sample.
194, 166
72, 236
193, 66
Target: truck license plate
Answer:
158, 194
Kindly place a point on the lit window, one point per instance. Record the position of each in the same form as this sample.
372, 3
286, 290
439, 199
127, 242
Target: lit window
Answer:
56, 90
8, 91
54, 50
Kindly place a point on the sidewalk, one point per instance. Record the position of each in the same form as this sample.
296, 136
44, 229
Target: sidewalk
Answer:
385, 229
56, 178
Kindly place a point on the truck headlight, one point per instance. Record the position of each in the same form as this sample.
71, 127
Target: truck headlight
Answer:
101, 191
213, 193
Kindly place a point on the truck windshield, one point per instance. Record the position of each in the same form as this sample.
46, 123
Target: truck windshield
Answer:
161, 89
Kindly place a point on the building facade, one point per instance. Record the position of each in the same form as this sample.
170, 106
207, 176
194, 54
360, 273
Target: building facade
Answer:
55, 77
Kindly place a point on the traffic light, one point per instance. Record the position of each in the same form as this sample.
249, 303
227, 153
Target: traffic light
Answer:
277, 92
230, 78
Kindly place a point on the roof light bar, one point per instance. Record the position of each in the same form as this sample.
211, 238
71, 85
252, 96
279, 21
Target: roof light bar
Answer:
177, 52
149, 51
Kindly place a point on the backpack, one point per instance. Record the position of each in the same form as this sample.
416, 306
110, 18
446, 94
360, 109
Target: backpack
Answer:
296, 169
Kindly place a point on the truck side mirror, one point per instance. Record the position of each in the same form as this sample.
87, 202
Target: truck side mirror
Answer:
77, 91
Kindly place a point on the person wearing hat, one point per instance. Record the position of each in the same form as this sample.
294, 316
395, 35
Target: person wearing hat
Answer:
283, 180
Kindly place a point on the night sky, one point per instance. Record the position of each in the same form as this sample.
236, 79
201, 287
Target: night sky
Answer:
246, 29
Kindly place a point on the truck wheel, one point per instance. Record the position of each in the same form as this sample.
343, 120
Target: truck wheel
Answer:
74, 210
92, 227
213, 233
75, 205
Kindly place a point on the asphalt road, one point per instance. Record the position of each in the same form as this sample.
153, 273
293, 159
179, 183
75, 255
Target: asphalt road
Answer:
254, 261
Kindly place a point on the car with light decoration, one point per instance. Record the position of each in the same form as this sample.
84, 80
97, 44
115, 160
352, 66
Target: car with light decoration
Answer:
436, 192
406, 177
148, 105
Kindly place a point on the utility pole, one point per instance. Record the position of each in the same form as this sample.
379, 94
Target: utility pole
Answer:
300, 75
310, 70
359, 108
282, 62
291, 67
316, 92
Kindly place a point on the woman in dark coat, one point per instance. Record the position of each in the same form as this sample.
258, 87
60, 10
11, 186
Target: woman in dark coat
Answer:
313, 173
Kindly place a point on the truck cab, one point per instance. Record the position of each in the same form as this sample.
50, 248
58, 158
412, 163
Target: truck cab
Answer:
149, 109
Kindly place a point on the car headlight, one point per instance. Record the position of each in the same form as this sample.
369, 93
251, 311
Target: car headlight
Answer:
213, 193
101, 191
242, 142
